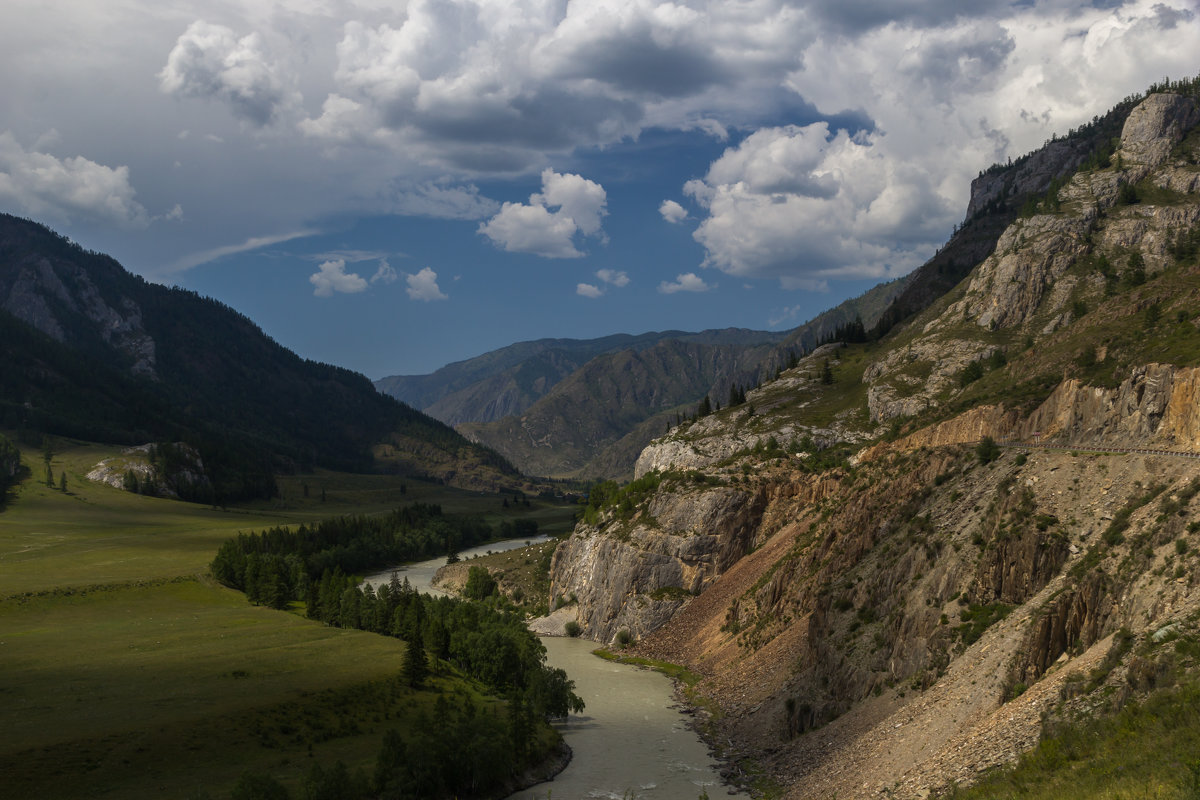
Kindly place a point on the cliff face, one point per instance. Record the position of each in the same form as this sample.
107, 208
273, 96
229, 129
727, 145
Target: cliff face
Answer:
880, 609
1065, 257
633, 575
59, 298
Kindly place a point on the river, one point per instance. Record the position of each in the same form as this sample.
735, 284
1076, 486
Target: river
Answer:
632, 741
420, 575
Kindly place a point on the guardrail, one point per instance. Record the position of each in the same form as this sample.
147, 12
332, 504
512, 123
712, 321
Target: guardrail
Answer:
1145, 451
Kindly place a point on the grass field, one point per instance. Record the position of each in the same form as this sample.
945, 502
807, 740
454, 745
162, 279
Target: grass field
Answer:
126, 672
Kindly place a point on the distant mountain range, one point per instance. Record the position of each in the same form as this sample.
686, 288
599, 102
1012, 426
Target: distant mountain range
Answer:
587, 407
93, 352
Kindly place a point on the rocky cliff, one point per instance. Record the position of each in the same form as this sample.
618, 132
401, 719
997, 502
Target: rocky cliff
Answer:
632, 575
879, 606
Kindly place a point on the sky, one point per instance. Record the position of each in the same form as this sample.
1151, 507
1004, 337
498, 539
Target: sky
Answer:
392, 186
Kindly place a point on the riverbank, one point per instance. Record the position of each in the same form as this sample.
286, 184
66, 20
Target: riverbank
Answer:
557, 761
634, 740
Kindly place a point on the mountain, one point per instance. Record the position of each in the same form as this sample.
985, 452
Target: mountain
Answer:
509, 380
595, 421
94, 352
909, 558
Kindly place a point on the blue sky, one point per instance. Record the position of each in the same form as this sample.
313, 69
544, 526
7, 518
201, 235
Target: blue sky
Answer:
391, 186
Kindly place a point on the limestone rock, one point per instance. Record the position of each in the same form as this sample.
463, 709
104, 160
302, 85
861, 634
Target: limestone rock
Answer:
1156, 125
635, 578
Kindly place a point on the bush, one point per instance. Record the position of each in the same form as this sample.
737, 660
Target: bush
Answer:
480, 584
572, 629
987, 450
970, 373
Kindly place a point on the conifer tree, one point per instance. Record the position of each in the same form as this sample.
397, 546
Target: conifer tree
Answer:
415, 668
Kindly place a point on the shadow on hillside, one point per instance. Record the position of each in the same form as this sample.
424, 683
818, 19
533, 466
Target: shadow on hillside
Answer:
9, 492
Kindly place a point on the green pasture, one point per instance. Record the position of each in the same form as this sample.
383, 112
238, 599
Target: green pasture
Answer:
96, 534
153, 689
126, 672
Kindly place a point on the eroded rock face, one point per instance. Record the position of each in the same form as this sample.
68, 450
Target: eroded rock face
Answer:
1037, 171
1027, 284
1156, 125
1155, 406
634, 576
38, 290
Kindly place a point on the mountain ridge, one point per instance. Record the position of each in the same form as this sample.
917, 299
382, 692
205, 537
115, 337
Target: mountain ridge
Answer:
98, 353
472, 390
880, 600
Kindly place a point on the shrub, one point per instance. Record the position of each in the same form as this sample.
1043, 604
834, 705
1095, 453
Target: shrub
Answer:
572, 629
970, 373
987, 450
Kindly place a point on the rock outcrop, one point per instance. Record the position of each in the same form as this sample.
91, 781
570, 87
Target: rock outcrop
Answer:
635, 575
39, 295
1156, 125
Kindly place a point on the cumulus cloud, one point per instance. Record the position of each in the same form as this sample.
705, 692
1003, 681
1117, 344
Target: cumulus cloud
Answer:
423, 286
948, 94
687, 282
547, 225
40, 184
210, 61
608, 277
331, 276
613, 277
493, 86
672, 212
802, 204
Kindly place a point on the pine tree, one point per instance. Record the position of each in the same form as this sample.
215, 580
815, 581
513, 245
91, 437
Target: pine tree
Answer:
415, 668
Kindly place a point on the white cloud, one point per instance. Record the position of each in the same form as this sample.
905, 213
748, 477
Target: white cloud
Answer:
608, 277
672, 212
547, 225
613, 277
802, 204
947, 95
40, 184
423, 286
412, 105
332, 277
442, 200
253, 243
688, 282
385, 274
210, 61
496, 86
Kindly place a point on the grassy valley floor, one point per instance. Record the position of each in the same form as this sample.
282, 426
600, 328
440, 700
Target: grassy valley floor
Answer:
127, 672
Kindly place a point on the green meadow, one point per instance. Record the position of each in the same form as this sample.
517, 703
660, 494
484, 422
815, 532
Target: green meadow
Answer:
127, 672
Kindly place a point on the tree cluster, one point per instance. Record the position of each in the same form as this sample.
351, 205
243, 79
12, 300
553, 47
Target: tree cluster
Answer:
10, 464
852, 332
275, 566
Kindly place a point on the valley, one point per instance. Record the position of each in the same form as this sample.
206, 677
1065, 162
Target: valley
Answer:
941, 541
130, 672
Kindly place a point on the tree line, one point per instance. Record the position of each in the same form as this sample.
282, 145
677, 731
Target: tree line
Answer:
10, 465
466, 750
278, 565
